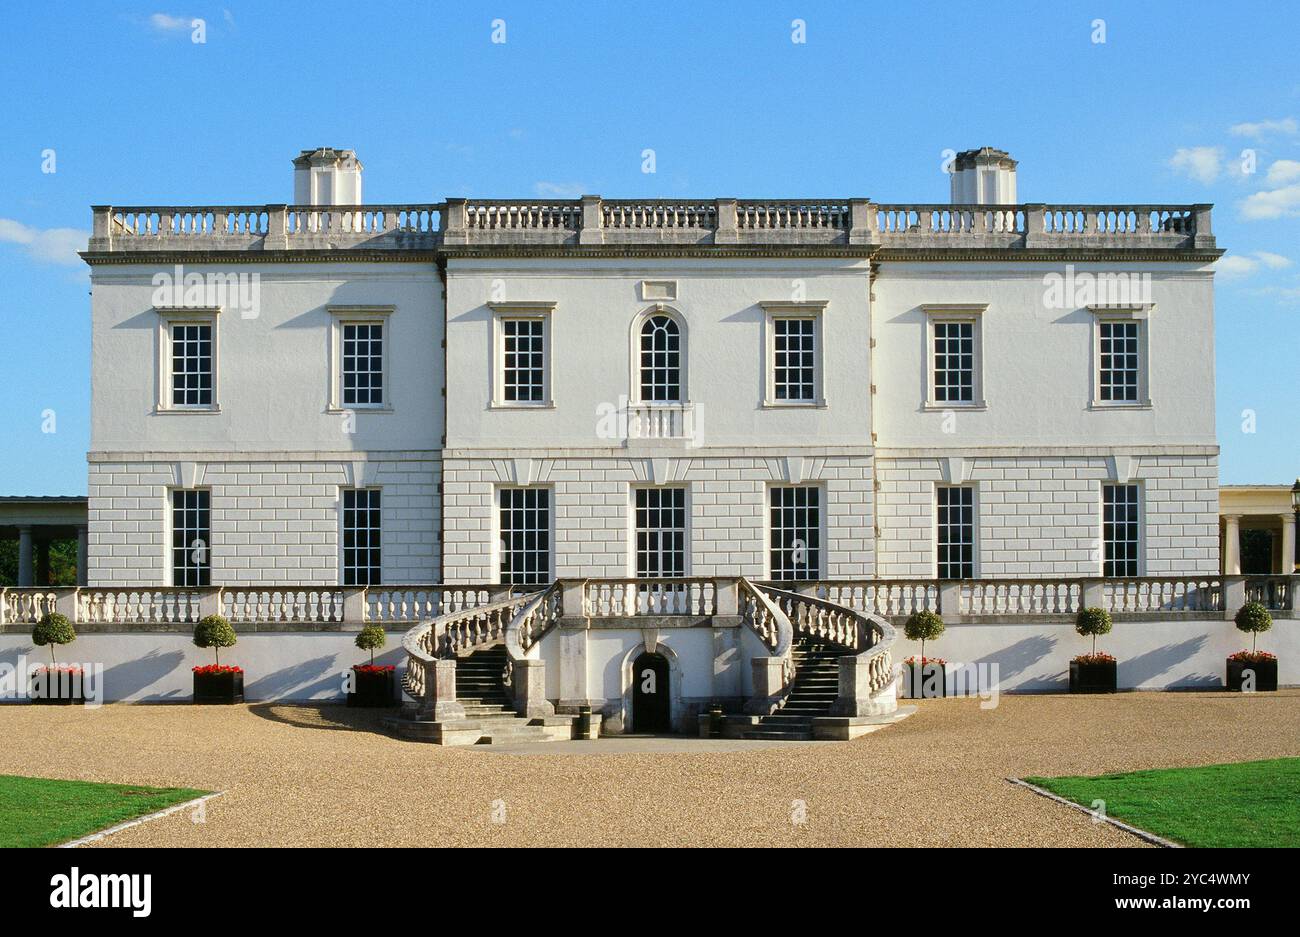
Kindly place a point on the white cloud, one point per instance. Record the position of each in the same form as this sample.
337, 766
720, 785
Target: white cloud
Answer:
1285, 125
1283, 171
166, 23
1242, 265
1202, 163
1273, 203
47, 245
560, 189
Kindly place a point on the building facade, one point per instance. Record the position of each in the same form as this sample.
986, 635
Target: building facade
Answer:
475, 392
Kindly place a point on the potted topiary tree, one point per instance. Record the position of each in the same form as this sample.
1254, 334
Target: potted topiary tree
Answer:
55, 684
926, 677
1095, 672
1252, 670
216, 683
372, 684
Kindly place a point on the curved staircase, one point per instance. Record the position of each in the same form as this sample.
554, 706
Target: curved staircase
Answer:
812, 692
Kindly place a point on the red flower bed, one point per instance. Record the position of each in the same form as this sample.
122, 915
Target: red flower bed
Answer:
925, 660
218, 668
1252, 657
1099, 658
60, 668
373, 668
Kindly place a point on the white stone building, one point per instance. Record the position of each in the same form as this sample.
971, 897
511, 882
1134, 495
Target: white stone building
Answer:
503, 394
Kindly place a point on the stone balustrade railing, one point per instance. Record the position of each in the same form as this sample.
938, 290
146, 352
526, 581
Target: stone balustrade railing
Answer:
592, 220
308, 605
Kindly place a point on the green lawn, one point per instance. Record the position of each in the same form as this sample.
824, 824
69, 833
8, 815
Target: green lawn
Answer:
1255, 803
44, 812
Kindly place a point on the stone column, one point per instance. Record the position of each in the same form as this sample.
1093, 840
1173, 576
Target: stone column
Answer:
26, 573
573, 669
1231, 545
83, 570
1288, 543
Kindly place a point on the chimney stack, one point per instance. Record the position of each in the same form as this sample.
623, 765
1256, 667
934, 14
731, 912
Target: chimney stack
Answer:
984, 177
326, 176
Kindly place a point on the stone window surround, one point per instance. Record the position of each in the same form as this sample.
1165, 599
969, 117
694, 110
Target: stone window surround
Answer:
168, 318
1141, 314
358, 315
813, 309
529, 309
956, 312
634, 360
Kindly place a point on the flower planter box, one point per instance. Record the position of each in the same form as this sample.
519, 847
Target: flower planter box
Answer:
373, 688
57, 688
1092, 676
925, 681
224, 686
1265, 673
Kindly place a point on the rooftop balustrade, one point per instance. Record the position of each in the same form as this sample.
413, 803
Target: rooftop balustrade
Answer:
592, 221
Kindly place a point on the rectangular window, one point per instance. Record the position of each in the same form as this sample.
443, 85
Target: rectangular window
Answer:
523, 370
1120, 530
956, 532
795, 533
795, 359
660, 532
1119, 352
954, 362
191, 538
192, 364
361, 537
525, 536
362, 375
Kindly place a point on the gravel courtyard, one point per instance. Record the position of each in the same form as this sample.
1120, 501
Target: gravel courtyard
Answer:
300, 775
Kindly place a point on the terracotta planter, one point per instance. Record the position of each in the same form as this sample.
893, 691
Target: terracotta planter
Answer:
1265, 672
371, 689
218, 688
1096, 677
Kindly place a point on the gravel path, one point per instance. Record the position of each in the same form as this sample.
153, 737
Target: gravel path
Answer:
296, 775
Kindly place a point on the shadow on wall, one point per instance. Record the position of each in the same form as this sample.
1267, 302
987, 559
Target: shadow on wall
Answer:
1139, 670
305, 680
122, 681
1019, 657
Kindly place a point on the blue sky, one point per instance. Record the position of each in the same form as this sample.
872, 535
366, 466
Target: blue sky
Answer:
138, 113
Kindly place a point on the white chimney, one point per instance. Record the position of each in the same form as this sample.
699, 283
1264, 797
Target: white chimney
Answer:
984, 177
326, 176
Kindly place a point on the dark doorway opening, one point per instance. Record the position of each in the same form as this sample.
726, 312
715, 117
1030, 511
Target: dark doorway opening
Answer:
1256, 552
650, 689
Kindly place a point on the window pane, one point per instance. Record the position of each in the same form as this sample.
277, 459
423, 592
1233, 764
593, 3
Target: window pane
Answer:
956, 532
660, 532
954, 362
362, 377
523, 378
1118, 359
795, 359
661, 360
795, 533
192, 365
1121, 534
191, 538
525, 522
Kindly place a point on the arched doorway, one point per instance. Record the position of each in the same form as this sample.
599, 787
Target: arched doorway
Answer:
651, 694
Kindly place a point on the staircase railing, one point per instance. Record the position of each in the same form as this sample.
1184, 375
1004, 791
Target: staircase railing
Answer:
867, 677
771, 675
525, 675
444, 637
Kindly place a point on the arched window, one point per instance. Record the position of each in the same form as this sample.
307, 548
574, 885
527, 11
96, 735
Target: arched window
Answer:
661, 360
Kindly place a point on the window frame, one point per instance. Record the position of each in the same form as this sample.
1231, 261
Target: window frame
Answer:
634, 530
342, 316
820, 570
501, 311
1139, 522
813, 310
964, 313
1139, 314
205, 568
499, 554
343, 528
169, 317
939, 526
